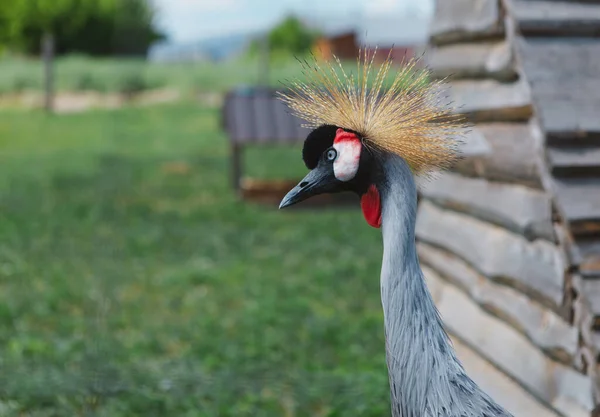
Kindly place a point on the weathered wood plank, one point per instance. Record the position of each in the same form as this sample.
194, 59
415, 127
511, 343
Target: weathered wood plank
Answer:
499, 386
543, 327
553, 18
579, 199
567, 244
512, 157
255, 115
564, 126
239, 120
569, 120
566, 161
474, 144
264, 122
478, 60
518, 208
578, 89
591, 292
567, 105
555, 58
489, 100
567, 390
589, 253
285, 126
462, 20
583, 319
536, 268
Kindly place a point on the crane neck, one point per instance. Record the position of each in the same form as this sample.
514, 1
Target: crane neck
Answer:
426, 378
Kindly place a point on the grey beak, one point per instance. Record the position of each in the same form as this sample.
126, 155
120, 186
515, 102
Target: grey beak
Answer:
295, 195
317, 181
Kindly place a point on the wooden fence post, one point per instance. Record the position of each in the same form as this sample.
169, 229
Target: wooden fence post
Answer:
48, 58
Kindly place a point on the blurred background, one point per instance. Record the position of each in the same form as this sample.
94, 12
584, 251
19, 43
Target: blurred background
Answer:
133, 279
144, 266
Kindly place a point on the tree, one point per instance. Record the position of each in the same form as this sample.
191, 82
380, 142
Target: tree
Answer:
288, 37
97, 27
122, 27
4, 24
291, 36
28, 20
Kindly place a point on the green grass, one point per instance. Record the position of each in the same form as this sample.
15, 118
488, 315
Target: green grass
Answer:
79, 73
131, 289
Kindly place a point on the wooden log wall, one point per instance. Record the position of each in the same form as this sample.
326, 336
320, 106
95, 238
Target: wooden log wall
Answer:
495, 235
558, 45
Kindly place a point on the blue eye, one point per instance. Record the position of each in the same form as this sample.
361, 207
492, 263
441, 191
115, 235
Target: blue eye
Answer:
331, 154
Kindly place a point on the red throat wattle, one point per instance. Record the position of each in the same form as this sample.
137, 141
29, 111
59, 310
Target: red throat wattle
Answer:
370, 202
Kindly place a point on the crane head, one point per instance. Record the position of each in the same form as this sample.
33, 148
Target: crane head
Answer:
358, 116
339, 160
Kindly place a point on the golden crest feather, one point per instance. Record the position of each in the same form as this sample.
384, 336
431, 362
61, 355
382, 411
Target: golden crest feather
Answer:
410, 116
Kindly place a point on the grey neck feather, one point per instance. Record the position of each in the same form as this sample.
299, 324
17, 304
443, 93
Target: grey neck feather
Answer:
426, 378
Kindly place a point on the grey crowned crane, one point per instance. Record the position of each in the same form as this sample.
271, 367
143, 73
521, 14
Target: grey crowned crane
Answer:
371, 139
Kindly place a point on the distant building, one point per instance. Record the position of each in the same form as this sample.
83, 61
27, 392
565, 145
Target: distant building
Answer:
399, 54
342, 45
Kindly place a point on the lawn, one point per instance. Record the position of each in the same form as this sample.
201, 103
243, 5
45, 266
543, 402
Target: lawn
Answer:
80, 73
132, 283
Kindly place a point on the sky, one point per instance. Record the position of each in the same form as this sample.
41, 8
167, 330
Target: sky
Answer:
192, 20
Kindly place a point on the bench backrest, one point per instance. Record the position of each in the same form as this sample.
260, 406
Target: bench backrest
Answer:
256, 115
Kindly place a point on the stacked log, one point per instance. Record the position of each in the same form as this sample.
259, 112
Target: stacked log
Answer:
496, 246
559, 51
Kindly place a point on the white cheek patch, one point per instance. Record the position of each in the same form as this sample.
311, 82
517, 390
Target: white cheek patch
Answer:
345, 165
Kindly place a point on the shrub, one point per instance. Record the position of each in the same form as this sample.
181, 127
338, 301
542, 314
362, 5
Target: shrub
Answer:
132, 83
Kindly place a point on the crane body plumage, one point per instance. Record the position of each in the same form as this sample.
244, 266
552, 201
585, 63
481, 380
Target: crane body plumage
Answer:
426, 378
372, 141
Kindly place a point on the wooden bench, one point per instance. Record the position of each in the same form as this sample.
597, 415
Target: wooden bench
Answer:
255, 116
